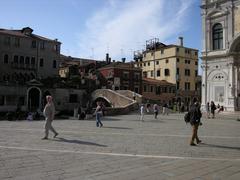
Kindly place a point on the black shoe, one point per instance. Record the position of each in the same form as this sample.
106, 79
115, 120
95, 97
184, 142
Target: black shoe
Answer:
55, 135
192, 144
44, 138
101, 125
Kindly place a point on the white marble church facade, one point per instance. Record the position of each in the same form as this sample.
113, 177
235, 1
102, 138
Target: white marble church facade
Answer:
221, 53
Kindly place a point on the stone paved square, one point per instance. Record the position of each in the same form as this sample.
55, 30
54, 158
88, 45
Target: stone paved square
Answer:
124, 148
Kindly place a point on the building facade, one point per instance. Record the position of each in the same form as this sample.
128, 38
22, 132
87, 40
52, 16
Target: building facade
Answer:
158, 91
25, 57
221, 53
173, 63
122, 76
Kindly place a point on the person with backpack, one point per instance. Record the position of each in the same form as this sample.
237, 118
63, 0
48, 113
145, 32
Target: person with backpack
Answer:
195, 120
213, 108
155, 110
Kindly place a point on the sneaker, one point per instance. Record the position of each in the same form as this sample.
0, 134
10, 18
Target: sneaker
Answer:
44, 138
192, 144
55, 135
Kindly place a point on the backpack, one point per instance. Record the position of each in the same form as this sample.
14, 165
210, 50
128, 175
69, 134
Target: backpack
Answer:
187, 117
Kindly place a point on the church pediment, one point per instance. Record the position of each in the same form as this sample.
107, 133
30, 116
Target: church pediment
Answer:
216, 13
34, 82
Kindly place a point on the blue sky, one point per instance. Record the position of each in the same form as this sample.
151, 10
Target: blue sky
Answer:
90, 28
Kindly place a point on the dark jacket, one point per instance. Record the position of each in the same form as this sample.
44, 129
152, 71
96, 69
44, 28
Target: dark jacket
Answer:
195, 114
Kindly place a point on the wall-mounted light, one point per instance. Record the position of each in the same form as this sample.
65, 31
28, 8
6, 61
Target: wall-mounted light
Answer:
203, 85
229, 85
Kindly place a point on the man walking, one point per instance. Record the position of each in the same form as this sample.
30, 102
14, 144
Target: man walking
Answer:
195, 117
142, 112
49, 112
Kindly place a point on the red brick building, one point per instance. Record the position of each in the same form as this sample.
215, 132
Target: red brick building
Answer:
122, 76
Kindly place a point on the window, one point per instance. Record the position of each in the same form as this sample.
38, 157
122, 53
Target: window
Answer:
178, 60
145, 88
34, 44
144, 74
196, 86
5, 59
158, 73
7, 41
144, 64
177, 71
196, 63
148, 63
178, 85
136, 89
166, 61
177, 50
54, 64
2, 100
187, 61
42, 45
151, 73
15, 59
217, 36
125, 75
41, 63
151, 88
56, 47
196, 73
73, 98
196, 53
157, 62
33, 60
187, 72
21, 60
136, 76
152, 54
187, 85
162, 51
27, 60
166, 72
17, 42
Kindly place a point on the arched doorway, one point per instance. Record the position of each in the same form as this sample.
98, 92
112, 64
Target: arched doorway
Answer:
234, 52
34, 99
103, 100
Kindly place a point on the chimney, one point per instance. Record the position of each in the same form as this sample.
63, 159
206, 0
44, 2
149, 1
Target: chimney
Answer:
123, 60
107, 57
180, 42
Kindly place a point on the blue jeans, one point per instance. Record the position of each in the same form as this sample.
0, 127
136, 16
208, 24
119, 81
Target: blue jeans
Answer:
98, 120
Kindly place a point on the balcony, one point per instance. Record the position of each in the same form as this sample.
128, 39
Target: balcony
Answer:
23, 66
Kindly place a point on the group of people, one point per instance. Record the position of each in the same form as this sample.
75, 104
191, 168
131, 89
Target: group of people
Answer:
195, 115
211, 108
147, 109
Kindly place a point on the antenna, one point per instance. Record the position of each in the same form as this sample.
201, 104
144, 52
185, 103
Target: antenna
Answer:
92, 52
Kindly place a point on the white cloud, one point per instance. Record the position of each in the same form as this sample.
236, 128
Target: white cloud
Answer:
122, 26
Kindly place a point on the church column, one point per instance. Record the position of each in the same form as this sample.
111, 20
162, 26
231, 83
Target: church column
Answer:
204, 84
231, 85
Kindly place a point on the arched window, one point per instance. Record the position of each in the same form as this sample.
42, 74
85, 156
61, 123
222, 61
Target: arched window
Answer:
217, 35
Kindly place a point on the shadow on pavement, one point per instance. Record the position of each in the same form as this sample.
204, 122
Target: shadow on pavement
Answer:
78, 142
110, 127
220, 146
